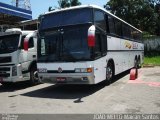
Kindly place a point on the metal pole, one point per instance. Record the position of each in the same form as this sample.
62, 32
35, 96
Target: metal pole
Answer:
17, 2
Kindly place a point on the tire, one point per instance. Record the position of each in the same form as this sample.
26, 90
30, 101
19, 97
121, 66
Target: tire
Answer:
109, 72
6, 84
33, 79
135, 63
139, 63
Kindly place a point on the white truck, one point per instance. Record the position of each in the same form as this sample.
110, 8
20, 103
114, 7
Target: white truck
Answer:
16, 63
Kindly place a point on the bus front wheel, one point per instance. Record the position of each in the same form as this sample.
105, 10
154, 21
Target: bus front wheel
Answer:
109, 72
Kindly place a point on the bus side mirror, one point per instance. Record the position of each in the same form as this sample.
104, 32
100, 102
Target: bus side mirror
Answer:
25, 44
91, 36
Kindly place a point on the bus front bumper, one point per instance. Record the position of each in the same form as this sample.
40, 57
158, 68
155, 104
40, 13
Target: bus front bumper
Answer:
69, 78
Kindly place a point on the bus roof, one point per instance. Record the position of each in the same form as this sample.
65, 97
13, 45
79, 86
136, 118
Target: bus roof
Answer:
90, 6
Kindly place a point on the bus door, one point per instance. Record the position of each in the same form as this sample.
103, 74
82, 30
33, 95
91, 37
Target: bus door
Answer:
100, 54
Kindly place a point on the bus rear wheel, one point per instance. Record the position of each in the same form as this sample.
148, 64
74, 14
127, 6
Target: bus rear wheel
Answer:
135, 63
109, 72
139, 63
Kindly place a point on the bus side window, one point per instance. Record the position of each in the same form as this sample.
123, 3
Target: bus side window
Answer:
107, 23
100, 20
101, 44
98, 49
118, 27
126, 31
104, 44
111, 25
136, 35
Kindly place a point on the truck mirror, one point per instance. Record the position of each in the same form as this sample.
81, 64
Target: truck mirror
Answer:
25, 44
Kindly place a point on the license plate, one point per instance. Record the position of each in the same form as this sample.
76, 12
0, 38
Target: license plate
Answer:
61, 79
1, 79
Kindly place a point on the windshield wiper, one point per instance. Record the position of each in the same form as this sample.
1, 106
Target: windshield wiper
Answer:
68, 57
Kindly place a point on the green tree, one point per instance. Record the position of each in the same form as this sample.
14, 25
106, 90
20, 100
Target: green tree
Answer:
155, 4
68, 3
74, 2
157, 10
139, 13
63, 3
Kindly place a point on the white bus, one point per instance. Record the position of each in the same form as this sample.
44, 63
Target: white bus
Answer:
86, 45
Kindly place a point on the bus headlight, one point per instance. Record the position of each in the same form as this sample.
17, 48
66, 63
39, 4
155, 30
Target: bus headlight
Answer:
14, 71
84, 70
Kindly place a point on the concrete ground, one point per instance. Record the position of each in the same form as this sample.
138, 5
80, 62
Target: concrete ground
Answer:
141, 96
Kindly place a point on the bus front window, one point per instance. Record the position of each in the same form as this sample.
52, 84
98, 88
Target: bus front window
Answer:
63, 36
69, 45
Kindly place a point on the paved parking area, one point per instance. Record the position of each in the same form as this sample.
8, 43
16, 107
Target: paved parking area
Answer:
122, 96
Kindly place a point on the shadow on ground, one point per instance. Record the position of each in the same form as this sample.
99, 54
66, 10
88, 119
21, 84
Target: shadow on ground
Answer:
70, 91
14, 87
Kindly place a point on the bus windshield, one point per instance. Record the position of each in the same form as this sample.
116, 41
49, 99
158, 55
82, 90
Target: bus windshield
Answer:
9, 43
68, 45
64, 18
63, 36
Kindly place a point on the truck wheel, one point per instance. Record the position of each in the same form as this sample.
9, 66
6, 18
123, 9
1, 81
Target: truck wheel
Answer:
33, 77
6, 84
109, 73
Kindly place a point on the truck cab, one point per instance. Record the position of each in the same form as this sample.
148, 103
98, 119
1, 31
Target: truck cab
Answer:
17, 64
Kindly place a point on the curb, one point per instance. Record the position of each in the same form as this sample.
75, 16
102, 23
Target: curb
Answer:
148, 66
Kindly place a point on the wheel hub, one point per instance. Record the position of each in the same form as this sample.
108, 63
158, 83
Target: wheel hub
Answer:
109, 73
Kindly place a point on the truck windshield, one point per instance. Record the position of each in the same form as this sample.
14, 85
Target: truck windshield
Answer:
9, 43
68, 45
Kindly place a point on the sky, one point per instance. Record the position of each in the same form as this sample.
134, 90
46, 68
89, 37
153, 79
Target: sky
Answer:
41, 6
